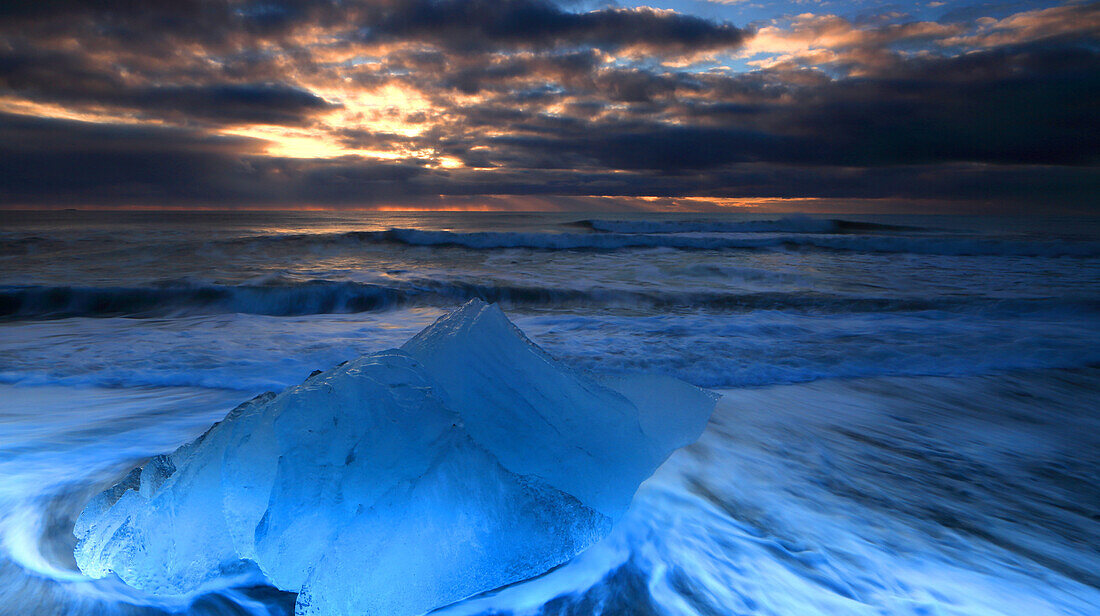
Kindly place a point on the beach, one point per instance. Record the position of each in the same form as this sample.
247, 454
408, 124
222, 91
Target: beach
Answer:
907, 425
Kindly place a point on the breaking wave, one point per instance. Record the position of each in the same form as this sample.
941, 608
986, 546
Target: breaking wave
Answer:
315, 297
339, 297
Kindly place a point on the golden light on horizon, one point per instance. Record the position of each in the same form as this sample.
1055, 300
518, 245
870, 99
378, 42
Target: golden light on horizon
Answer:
286, 142
361, 114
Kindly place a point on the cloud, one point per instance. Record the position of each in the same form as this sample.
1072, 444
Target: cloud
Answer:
522, 24
262, 103
1071, 20
393, 101
71, 78
59, 161
1019, 105
79, 163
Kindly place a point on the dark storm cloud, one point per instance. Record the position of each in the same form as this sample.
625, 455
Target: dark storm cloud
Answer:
501, 73
45, 161
145, 22
54, 162
58, 161
66, 77
1033, 104
477, 24
453, 24
538, 99
262, 103
178, 60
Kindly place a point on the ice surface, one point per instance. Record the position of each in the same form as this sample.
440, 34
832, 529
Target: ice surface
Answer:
543, 419
398, 482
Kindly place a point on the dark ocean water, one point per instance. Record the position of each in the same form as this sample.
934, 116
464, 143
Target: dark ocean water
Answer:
956, 475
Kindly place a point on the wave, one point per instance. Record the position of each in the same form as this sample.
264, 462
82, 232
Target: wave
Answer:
605, 242
1024, 443
787, 224
610, 236
314, 297
337, 297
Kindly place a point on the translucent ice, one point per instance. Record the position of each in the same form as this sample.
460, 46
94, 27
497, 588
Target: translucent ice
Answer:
399, 482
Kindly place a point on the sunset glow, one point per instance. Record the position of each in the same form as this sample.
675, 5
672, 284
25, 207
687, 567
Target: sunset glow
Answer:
549, 307
362, 104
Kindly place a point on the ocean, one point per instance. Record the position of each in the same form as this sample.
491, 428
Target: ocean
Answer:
910, 421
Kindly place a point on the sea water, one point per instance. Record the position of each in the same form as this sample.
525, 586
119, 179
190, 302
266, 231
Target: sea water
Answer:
909, 423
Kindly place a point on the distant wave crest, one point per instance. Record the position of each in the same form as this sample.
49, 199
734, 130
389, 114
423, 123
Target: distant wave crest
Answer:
788, 224
605, 242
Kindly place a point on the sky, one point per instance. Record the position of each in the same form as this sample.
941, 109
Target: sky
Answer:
869, 105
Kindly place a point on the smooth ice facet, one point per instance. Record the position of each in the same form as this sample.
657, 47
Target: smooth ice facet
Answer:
398, 482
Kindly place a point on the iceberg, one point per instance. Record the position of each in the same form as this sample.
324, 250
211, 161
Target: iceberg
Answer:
399, 482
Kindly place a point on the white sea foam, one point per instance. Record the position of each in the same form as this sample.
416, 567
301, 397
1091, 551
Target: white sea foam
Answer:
824, 498
129, 338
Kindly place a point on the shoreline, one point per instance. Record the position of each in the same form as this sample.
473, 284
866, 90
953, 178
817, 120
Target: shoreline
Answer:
975, 488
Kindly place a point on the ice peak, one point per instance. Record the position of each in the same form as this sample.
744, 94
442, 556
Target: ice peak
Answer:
467, 460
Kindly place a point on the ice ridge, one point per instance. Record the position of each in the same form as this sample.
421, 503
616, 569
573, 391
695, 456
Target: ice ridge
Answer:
398, 482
